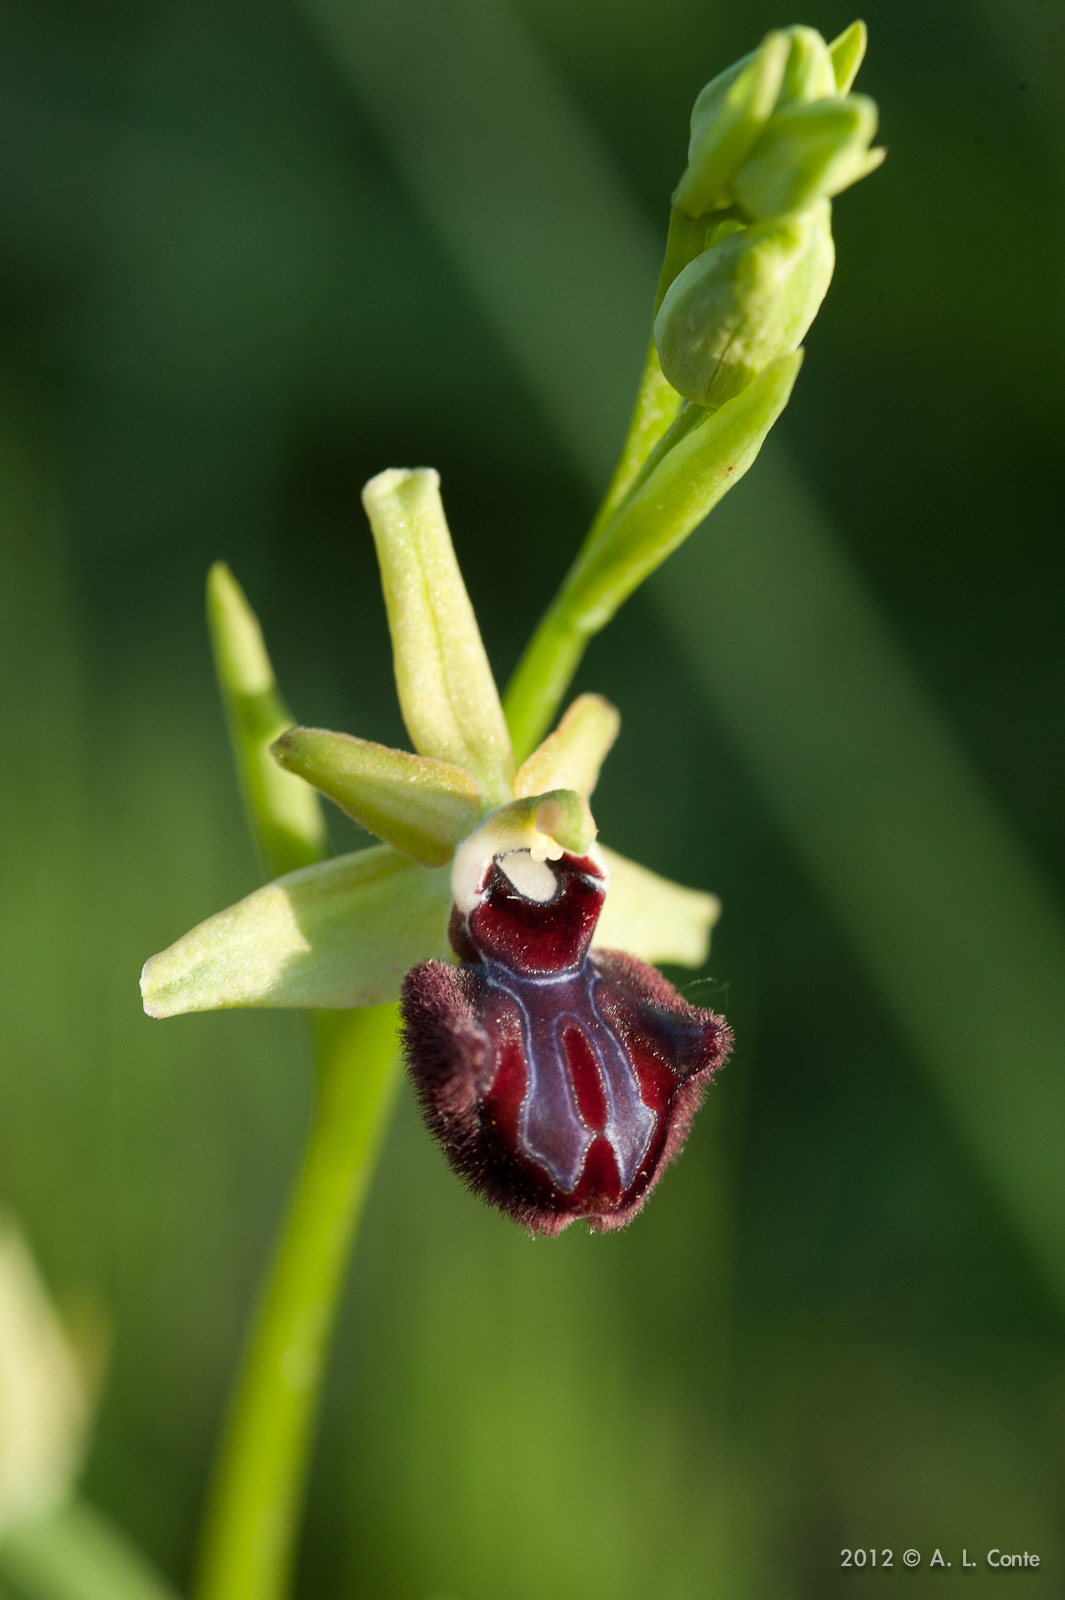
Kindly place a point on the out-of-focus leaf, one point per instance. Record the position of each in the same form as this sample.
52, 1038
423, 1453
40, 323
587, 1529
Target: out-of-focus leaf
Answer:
285, 813
75, 1553
44, 1407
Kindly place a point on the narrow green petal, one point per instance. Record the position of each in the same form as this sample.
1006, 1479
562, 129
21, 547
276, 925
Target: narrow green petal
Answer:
652, 918
446, 690
848, 53
285, 814
420, 806
570, 758
339, 933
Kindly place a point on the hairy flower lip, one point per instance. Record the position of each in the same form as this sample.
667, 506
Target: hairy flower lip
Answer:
559, 1082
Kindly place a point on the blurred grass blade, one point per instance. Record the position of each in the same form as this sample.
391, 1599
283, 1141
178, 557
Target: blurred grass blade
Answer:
75, 1553
284, 812
571, 756
652, 918
419, 806
339, 933
446, 690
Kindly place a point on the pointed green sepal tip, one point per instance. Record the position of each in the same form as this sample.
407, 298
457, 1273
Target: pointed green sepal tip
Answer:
419, 806
727, 117
848, 53
446, 690
571, 756
652, 918
808, 152
285, 814
744, 303
341, 933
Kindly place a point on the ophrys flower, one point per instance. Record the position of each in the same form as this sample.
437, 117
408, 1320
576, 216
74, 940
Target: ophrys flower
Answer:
558, 1069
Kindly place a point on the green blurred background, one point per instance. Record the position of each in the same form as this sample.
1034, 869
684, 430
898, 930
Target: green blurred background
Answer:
253, 254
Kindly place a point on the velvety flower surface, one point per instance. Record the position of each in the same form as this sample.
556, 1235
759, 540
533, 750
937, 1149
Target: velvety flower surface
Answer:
559, 1082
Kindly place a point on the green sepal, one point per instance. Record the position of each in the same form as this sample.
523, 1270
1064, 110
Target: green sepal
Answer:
743, 303
419, 806
446, 690
340, 933
674, 497
848, 53
652, 918
808, 73
808, 152
727, 117
571, 756
285, 814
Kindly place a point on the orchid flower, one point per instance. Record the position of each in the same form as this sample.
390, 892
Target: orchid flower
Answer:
559, 1078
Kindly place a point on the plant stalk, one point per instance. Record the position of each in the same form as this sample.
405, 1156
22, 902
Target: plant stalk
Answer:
250, 1530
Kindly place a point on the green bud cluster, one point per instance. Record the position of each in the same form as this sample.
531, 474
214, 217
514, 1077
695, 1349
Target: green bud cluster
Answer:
773, 138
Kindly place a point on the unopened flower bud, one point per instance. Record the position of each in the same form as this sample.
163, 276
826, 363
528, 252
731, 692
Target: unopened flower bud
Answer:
728, 115
808, 152
742, 304
808, 71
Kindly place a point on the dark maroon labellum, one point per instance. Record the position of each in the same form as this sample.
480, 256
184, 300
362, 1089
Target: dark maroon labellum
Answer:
559, 1082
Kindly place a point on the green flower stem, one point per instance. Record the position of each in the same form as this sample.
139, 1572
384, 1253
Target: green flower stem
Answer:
704, 453
657, 403
250, 1533
74, 1553
547, 668
543, 675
